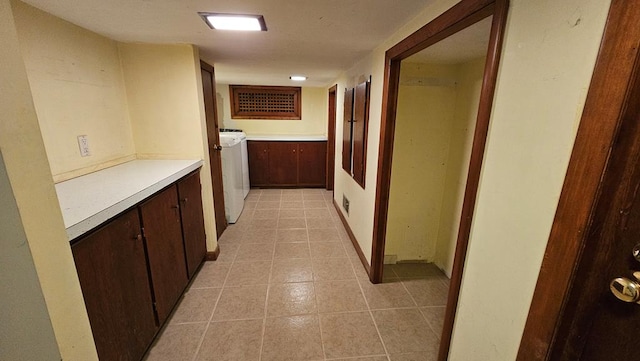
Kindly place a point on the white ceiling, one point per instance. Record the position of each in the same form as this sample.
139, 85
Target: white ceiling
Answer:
317, 38
465, 45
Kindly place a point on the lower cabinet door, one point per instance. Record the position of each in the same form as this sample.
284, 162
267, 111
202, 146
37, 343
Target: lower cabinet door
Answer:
258, 153
163, 235
312, 164
283, 163
113, 275
195, 243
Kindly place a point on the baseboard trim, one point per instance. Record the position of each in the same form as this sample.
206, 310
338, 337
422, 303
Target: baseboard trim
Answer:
353, 239
212, 256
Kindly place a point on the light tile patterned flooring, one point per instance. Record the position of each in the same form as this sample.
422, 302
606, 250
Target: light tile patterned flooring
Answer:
289, 285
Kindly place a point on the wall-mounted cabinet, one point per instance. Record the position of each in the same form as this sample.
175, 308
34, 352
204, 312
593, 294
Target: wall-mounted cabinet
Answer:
134, 268
355, 127
287, 163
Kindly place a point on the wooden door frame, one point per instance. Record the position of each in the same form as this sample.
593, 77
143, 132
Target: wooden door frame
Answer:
213, 141
331, 136
460, 16
582, 189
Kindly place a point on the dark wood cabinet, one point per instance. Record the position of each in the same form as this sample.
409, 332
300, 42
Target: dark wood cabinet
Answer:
134, 268
112, 269
283, 163
163, 234
312, 164
287, 163
258, 163
195, 246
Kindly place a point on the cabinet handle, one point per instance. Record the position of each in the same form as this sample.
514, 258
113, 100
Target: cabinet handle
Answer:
301, 150
176, 206
185, 200
138, 237
294, 150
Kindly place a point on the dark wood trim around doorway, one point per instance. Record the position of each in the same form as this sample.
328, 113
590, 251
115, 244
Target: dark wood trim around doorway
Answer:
582, 189
331, 136
462, 15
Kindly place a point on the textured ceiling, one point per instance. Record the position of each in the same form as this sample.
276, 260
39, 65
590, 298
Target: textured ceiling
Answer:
465, 45
317, 38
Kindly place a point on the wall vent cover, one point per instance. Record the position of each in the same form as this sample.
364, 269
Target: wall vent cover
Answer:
265, 102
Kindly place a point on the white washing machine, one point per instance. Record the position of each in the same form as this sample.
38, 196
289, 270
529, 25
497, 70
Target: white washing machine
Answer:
246, 185
232, 179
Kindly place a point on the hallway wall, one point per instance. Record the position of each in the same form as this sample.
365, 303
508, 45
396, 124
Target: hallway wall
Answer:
78, 89
27, 169
548, 58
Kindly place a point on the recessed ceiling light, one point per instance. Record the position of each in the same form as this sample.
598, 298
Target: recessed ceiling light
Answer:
234, 21
298, 78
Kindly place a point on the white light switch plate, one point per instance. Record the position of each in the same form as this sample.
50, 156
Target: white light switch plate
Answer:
83, 143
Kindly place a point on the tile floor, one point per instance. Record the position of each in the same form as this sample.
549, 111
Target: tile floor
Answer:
289, 285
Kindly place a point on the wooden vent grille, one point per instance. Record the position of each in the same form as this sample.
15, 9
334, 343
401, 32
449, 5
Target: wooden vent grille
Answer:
264, 102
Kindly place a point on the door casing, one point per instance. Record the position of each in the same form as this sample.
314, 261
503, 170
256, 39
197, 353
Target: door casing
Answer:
331, 137
460, 16
215, 161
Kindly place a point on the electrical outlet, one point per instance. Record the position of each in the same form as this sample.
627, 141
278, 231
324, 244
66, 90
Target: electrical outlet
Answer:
345, 204
83, 143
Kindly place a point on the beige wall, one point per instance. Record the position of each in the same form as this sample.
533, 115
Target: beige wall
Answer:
432, 146
313, 122
164, 93
25, 326
424, 124
544, 76
542, 84
77, 86
30, 177
469, 83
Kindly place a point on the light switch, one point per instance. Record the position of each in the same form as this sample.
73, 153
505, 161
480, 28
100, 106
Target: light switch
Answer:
83, 143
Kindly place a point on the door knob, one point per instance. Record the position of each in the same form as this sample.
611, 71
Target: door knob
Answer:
217, 147
625, 289
636, 252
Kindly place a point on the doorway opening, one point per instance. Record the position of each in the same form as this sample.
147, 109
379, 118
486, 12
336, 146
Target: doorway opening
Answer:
331, 137
443, 151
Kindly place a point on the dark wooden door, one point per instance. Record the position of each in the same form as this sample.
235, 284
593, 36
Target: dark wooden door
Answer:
596, 325
283, 163
195, 243
331, 138
573, 314
258, 153
213, 136
163, 235
112, 269
312, 166
360, 123
347, 130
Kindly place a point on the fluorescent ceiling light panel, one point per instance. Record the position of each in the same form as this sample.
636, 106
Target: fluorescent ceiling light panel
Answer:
236, 22
298, 78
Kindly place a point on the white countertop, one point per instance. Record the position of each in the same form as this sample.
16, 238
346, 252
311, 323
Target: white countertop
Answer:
90, 200
288, 137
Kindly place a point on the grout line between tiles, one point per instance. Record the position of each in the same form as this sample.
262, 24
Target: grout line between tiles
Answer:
266, 302
410, 295
375, 324
215, 306
315, 294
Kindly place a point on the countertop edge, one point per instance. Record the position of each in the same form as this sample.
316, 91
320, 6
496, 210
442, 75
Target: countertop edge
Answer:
288, 138
76, 230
